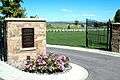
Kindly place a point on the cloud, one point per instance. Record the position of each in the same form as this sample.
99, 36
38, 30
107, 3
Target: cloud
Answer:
88, 15
66, 10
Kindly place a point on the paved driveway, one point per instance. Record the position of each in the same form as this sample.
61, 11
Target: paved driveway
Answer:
100, 67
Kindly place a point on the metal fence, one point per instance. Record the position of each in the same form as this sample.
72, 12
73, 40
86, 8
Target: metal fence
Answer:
98, 34
3, 53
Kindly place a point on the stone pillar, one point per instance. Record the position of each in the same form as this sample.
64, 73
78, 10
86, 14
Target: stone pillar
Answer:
25, 37
116, 37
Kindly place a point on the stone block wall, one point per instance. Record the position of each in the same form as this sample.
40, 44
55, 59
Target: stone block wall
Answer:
116, 37
15, 53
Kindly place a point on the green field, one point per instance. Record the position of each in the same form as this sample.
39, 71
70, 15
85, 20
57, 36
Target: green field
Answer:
78, 39
67, 38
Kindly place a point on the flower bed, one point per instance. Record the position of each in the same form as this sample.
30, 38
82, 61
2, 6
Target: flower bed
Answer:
52, 63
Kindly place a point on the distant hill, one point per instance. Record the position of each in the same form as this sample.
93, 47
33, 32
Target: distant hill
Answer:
60, 22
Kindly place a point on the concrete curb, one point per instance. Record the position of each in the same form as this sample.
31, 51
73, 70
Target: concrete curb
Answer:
8, 72
115, 54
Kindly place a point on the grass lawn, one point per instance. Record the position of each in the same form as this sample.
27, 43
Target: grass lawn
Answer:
76, 39
98, 39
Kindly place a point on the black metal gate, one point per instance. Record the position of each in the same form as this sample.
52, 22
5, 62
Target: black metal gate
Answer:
3, 53
98, 34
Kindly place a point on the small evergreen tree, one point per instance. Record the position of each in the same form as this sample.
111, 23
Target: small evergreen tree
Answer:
76, 22
68, 26
117, 16
12, 8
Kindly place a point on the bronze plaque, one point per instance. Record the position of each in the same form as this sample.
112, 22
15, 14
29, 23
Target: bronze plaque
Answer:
27, 37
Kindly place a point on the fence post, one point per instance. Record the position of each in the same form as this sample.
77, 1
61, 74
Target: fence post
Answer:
5, 41
86, 32
110, 41
3, 48
108, 35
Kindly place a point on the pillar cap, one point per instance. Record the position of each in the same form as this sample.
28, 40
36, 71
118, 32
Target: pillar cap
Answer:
26, 19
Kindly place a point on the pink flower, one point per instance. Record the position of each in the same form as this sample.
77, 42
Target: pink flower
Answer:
54, 62
40, 57
27, 66
45, 56
61, 67
61, 57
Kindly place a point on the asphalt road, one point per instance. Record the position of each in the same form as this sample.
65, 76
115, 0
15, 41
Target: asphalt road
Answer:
100, 67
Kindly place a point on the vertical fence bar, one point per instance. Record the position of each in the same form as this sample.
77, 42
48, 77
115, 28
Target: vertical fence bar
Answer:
108, 35
1, 53
5, 40
86, 32
110, 41
0, 43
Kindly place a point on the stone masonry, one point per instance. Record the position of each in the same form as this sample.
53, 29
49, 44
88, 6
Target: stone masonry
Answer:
116, 37
15, 53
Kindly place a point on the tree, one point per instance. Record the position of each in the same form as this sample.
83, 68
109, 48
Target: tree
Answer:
68, 26
34, 16
1, 18
76, 22
117, 16
12, 8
